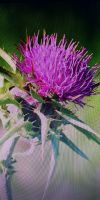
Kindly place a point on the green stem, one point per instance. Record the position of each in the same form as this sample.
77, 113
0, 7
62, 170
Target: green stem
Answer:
12, 131
7, 170
9, 163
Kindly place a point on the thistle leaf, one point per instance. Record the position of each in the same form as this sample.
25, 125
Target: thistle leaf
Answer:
6, 76
55, 144
30, 115
36, 96
28, 127
5, 101
9, 60
18, 79
47, 109
84, 128
12, 131
15, 79
65, 111
72, 146
87, 131
29, 130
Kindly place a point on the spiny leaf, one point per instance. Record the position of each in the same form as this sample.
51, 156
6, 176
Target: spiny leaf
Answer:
89, 134
55, 144
7, 76
5, 66
32, 134
15, 79
36, 96
12, 131
47, 109
64, 110
29, 130
9, 60
84, 128
18, 79
5, 101
28, 127
5, 87
29, 114
69, 143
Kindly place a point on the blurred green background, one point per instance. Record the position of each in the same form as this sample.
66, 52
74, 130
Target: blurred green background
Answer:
79, 20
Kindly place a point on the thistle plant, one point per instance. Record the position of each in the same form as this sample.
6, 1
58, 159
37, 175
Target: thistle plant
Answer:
35, 93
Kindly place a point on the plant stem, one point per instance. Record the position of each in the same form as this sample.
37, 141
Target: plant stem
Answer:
12, 131
6, 164
3, 193
9, 163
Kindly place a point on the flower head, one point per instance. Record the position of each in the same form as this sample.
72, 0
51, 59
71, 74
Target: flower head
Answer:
57, 68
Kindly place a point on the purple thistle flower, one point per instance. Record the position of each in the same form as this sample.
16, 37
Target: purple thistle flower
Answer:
57, 69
